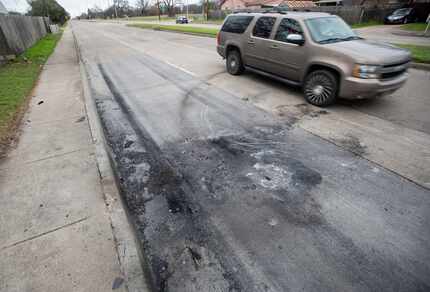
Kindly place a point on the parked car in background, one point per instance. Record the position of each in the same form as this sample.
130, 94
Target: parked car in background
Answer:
403, 15
316, 51
181, 20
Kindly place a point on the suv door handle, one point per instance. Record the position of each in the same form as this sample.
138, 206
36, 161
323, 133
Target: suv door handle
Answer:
275, 47
251, 42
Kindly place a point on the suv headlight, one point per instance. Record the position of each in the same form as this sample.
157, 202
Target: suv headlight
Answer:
365, 71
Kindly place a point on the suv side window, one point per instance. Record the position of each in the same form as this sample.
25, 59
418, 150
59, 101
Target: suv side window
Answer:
286, 27
236, 24
263, 27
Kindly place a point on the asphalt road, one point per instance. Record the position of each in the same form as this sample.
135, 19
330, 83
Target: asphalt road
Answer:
228, 196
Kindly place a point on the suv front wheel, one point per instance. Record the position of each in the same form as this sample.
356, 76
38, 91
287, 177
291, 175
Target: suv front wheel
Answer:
234, 63
320, 88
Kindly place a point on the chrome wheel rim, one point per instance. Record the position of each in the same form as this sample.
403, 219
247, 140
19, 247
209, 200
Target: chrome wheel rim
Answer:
233, 63
319, 88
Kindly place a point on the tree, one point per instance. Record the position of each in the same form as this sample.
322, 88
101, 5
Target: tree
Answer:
122, 8
142, 6
170, 7
208, 5
48, 8
95, 12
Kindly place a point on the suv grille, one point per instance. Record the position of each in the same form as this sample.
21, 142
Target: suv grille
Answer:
394, 70
392, 74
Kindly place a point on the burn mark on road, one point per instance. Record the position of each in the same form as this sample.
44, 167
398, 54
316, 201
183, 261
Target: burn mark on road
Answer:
255, 163
228, 146
353, 144
184, 196
161, 200
195, 256
294, 113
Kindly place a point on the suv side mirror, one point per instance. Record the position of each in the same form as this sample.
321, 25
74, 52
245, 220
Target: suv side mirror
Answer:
295, 39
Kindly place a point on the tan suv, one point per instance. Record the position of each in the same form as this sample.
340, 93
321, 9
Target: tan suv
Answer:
317, 51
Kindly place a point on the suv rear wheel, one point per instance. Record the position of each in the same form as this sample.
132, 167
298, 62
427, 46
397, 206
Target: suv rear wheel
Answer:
234, 63
320, 88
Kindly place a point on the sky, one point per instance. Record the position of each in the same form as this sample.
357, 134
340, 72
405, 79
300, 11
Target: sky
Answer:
74, 7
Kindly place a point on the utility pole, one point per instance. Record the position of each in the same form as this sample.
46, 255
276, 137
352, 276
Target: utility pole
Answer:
158, 6
207, 10
203, 9
114, 7
428, 24
45, 13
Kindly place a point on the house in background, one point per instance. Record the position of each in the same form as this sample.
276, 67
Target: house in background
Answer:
257, 4
3, 9
369, 3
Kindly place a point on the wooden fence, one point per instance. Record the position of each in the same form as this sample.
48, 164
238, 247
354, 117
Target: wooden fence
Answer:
18, 33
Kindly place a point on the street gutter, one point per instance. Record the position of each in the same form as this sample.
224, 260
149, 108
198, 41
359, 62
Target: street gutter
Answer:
128, 246
420, 66
210, 35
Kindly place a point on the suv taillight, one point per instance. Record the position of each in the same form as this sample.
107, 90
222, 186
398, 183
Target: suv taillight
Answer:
218, 38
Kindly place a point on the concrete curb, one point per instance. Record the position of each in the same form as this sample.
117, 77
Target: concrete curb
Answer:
410, 33
127, 244
175, 31
421, 66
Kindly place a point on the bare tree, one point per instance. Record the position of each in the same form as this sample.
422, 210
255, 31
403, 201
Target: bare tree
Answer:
208, 5
95, 12
170, 6
142, 6
121, 7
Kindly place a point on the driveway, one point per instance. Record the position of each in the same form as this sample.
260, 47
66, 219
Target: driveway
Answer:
391, 34
235, 184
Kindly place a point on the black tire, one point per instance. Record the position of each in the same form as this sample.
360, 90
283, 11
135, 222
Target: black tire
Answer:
234, 63
320, 88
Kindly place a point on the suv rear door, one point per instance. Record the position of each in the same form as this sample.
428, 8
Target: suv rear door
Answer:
287, 59
256, 48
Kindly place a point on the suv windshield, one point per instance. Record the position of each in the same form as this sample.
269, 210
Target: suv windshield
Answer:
330, 29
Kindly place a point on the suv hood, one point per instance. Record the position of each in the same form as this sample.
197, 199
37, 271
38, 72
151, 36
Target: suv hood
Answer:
372, 53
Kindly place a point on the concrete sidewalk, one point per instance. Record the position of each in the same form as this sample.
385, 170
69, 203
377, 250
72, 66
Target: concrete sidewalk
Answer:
55, 226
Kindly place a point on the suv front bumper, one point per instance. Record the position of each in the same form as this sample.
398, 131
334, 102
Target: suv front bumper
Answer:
357, 88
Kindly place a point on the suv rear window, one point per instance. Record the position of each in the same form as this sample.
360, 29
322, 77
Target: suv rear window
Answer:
236, 24
263, 27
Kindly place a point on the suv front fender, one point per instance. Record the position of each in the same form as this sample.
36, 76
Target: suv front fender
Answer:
340, 69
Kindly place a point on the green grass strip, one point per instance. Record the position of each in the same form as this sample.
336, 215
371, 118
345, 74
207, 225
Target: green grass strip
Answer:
366, 24
210, 32
420, 27
420, 54
17, 79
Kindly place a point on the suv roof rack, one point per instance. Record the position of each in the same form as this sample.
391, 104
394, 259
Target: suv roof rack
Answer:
280, 10
274, 11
